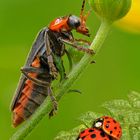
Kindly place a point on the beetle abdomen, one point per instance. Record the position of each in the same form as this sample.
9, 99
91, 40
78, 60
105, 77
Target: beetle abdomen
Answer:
32, 96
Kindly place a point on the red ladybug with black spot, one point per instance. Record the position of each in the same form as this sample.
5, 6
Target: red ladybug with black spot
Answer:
93, 134
110, 126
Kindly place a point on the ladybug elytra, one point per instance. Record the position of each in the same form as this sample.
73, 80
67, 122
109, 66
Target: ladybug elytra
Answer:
109, 126
93, 134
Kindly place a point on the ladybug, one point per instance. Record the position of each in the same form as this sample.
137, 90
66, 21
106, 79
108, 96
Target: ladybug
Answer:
109, 126
93, 134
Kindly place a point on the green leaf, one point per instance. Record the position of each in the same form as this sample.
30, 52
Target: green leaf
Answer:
127, 112
117, 107
134, 99
88, 118
70, 135
75, 54
135, 133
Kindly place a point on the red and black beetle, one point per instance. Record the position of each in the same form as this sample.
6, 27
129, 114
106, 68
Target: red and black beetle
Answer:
41, 68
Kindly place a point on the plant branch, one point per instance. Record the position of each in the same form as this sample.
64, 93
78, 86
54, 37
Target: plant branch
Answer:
46, 107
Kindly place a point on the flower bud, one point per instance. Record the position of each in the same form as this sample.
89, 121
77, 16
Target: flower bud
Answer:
111, 10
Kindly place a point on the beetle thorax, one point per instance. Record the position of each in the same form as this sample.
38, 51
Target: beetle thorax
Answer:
60, 25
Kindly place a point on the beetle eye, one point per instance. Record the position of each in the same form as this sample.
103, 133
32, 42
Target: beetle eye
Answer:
73, 21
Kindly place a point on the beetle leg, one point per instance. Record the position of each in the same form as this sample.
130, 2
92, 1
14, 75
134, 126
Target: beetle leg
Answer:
53, 70
33, 70
53, 99
35, 80
83, 41
74, 44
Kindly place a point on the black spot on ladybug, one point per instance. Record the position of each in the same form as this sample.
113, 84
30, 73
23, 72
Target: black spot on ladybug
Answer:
115, 127
119, 131
114, 121
108, 121
102, 134
118, 135
110, 138
107, 126
111, 132
83, 137
93, 136
106, 117
83, 132
90, 130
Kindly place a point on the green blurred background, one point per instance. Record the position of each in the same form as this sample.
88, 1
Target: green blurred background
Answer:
116, 72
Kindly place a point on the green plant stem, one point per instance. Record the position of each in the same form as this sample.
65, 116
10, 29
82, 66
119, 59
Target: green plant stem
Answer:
46, 107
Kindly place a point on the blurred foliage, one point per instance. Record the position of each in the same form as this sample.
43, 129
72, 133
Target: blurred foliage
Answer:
132, 18
127, 112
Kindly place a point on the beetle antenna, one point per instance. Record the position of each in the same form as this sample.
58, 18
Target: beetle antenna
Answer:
86, 16
82, 16
82, 28
82, 9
